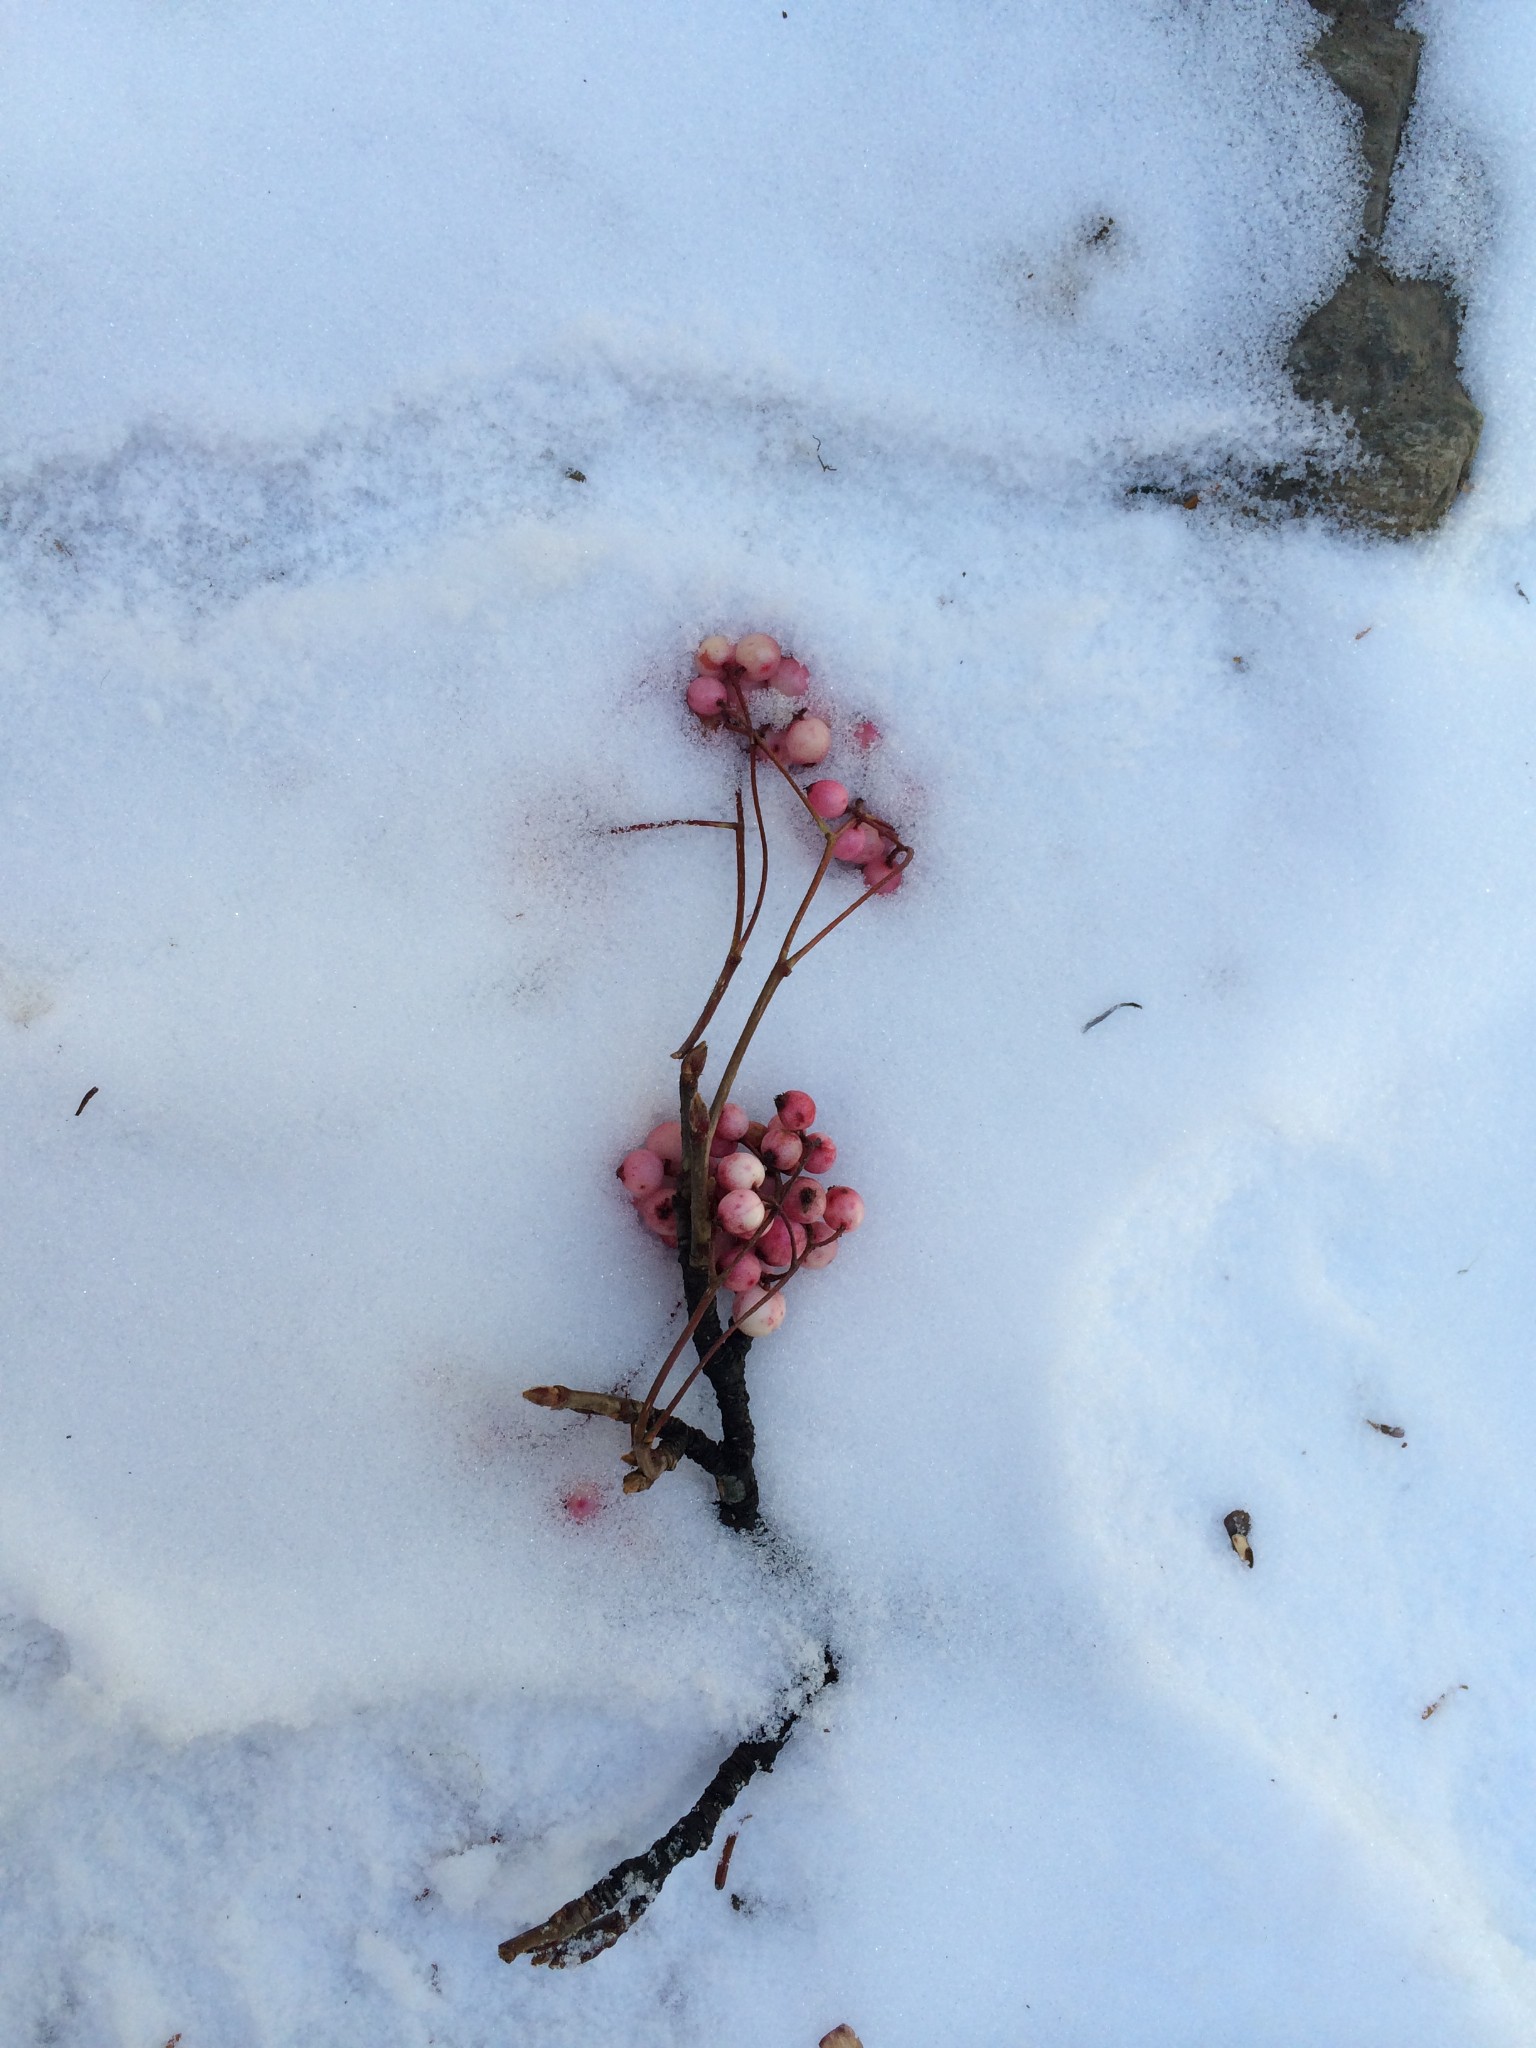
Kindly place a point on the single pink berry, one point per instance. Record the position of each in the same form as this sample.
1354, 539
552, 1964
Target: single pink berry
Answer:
666, 1141
796, 1110
820, 1153
781, 1242
641, 1172
715, 652
740, 1170
804, 1200
866, 734
880, 876
845, 1208
658, 1212
756, 1316
758, 657
791, 678
827, 799
855, 844
821, 1256
741, 1212
774, 1245
806, 740
743, 1271
582, 1503
733, 1123
781, 1148
707, 696
776, 747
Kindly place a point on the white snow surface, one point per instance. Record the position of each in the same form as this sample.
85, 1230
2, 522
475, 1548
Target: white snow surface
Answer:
324, 681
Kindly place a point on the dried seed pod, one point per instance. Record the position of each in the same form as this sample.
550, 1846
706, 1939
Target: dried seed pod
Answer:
1238, 1525
841, 2037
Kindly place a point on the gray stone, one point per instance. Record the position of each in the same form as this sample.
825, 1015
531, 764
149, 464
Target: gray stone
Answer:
1382, 351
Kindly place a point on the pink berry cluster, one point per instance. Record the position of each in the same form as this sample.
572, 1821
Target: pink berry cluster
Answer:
770, 1213
718, 697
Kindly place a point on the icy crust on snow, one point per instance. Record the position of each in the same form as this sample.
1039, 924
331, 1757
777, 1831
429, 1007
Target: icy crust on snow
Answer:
316, 722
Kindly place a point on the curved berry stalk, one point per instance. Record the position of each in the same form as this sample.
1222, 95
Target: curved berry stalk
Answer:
744, 1203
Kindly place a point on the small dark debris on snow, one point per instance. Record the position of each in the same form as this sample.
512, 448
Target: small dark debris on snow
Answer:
1434, 1704
1238, 1526
85, 1098
1385, 1428
1109, 1013
576, 476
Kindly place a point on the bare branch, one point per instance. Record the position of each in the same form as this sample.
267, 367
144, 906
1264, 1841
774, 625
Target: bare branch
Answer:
593, 1922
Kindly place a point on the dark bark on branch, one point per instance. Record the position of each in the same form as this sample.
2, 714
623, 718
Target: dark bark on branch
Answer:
594, 1922
735, 1475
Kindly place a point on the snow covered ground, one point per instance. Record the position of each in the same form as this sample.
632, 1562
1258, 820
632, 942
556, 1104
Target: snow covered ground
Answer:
323, 680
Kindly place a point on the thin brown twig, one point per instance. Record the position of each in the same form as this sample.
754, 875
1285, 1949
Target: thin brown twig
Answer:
738, 943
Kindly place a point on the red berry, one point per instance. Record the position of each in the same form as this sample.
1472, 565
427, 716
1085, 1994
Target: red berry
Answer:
741, 1212
733, 1123
827, 799
641, 1172
658, 1212
820, 1153
845, 1208
707, 696
740, 1170
744, 1270
781, 1148
666, 1141
855, 844
797, 1112
758, 1317
806, 740
758, 657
